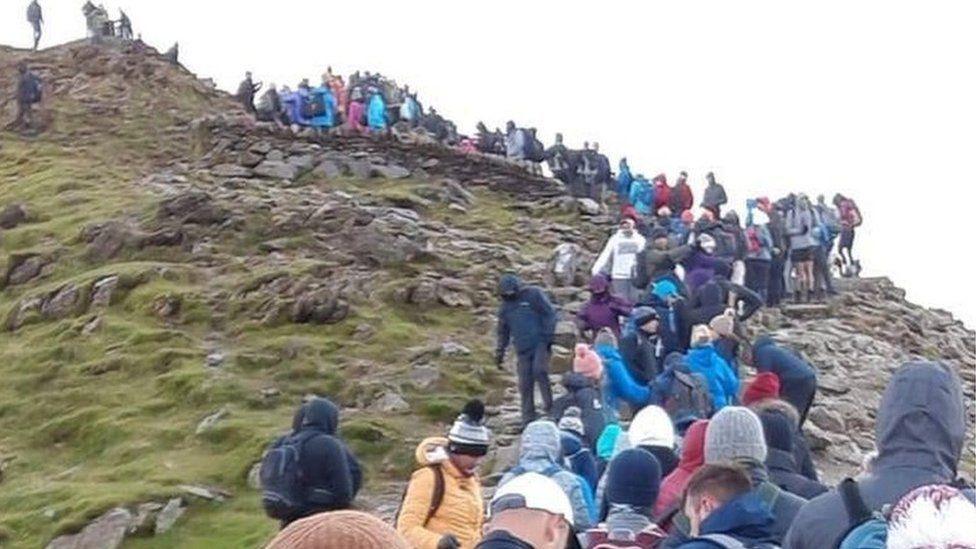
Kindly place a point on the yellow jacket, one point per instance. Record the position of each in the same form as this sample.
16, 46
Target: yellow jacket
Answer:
461, 511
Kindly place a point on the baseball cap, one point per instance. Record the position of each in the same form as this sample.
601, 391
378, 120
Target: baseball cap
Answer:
532, 491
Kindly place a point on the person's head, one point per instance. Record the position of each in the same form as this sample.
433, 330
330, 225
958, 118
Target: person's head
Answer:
587, 363
735, 434
647, 320
711, 487
338, 530
586, 145
606, 338
838, 199
321, 414
652, 426
247, 75
623, 161
22, 67
540, 441
659, 238
777, 430
706, 243
710, 177
932, 517
688, 218
559, 139
572, 421
467, 441
723, 325
510, 125
701, 336
509, 286
596, 147
627, 226
664, 212
821, 201
634, 479
534, 509
599, 286
682, 177
764, 386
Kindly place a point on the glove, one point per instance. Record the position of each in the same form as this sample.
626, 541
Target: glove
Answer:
448, 541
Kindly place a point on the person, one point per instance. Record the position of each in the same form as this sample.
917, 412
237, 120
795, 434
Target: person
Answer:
692, 458
325, 106
724, 511
125, 26
702, 358
801, 222
801, 446
658, 259
576, 452
558, 159
530, 512
528, 321
780, 459
376, 112
642, 195
624, 181
357, 113
29, 92
602, 177
934, 516
714, 197
652, 430
850, 220
603, 310
514, 142
797, 377
618, 259
759, 251
540, 452
35, 17
633, 480
410, 110
919, 434
641, 345
442, 506
682, 198
583, 393
765, 386
338, 530
618, 385
246, 91
775, 288
662, 192
702, 264
826, 234
269, 108
173, 54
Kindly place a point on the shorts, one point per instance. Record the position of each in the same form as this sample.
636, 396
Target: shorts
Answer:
801, 256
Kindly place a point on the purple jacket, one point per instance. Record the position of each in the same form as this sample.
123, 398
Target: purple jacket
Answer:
604, 311
701, 267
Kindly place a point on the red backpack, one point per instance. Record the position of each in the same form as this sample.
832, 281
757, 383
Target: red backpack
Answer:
649, 538
752, 240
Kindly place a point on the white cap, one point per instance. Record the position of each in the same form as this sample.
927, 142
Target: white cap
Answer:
532, 491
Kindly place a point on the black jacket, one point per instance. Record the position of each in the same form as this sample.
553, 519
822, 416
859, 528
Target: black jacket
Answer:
327, 463
783, 473
638, 352
581, 392
501, 539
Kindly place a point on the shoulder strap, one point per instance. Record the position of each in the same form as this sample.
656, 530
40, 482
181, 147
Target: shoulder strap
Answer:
722, 540
438, 495
857, 510
769, 493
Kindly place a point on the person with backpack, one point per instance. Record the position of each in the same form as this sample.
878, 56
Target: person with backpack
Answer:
535, 151
640, 345
442, 506
29, 93
850, 220
683, 394
311, 470
559, 160
527, 319
797, 377
322, 106
775, 285
618, 259
633, 479
583, 393
759, 251
603, 310
919, 434
652, 430
530, 512
576, 453
724, 511
781, 459
514, 142
618, 385
714, 197
270, 108
410, 111
246, 92
703, 359
658, 259
801, 226
642, 195
376, 117
540, 452
125, 26
673, 485
35, 17
682, 198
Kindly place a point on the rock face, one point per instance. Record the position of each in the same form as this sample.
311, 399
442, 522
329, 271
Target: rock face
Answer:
107, 532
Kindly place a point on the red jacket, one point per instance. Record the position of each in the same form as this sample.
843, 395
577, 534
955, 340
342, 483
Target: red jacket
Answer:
692, 458
662, 193
683, 197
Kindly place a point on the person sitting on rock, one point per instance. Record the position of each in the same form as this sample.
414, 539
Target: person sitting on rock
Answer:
692, 458
618, 260
703, 359
540, 452
576, 452
603, 310
919, 433
724, 511
583, 393
779, 431
246, 92
442, 506
633, 480
530, 512
641, 345
797, 377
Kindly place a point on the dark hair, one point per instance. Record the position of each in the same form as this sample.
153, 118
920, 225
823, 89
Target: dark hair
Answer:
722, 482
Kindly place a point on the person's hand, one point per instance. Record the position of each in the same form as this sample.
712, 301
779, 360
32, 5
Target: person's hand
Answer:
448, 541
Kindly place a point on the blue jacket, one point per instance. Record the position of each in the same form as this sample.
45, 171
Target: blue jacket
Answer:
642, 195
798, 379
525, 317
624, 180
618, 384
326, 119
376, 112
745, 518
579, 458
722, 383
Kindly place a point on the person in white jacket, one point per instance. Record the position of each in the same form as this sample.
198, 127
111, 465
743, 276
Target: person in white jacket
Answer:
618, 260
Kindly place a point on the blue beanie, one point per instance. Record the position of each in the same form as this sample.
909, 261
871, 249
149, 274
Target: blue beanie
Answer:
634, 478
777, 430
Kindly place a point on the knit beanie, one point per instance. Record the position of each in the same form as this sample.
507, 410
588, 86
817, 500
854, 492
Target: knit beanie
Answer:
652, 426
634, 478
723, 323
605, 337
572, 421
338, 530
587, 362
701, 335
778, 430
643, 315
734, 433
468, 434
764, 386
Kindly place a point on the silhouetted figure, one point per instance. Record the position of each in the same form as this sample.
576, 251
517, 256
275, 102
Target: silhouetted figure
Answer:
173, 54
35, 16
125, 26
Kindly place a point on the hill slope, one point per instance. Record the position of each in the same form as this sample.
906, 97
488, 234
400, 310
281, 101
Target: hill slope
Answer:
175, 279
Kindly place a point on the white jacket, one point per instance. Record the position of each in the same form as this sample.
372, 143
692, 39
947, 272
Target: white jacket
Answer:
619, 256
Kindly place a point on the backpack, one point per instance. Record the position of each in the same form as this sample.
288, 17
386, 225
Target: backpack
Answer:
688, 399
314, 106
282, 478
728, 542
534, 149
752, 240
866, 530
436, 498
649, 538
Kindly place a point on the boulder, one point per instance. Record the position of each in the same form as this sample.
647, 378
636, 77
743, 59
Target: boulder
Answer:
328, 169
106, 532
588, 206
22, 268
13, 215
391, 171
319, 307
424, 375
192, 207
62, 303
277, 169
211, 421
102, 291
168, 516
204, 492
231, 170
454, 349
358, 169
144, 521
391, 402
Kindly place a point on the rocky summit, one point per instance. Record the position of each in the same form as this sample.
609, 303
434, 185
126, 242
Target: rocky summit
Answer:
175, 278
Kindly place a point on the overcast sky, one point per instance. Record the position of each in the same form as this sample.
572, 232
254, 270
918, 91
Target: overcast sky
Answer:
875, 99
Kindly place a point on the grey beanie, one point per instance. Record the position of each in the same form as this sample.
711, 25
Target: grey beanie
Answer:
468, 434
734, 433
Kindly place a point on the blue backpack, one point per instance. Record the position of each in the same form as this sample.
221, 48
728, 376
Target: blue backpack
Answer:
866, 530
282, 478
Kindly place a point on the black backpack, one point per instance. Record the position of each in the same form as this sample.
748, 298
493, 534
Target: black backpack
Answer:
688, 398
534, 149
436, 498
282, 478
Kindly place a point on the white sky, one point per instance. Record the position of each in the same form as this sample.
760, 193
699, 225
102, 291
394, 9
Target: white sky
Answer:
875, 99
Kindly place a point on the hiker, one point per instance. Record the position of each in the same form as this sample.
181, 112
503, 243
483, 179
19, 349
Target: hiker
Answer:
356, 114
322, 106
583, 393
682, 198
603, 310
702, 264
736, 236
919, 435
775, 286
29, 93
565, 262
576, 452
662, 192
618, 260
658, 259
327, 476
339, 530
801, 221
514, 142
35, 17
725, 512
714, 197
640, 346
633, 479
827, 233
376, 116
761, 398
652, 430
618, 385
934, 516
759, 251
539, 452
246, 92
559, 160
692, 458
442, 506
530, 512
173, 54
780, 459
642, 195
703, 359
527, 319
850, 220
797, 377
410, 110
269, 108
602, 177
725, 340
125, 26
624, 180
707, 302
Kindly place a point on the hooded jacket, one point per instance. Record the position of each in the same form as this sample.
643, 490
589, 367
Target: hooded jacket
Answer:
329, 477
525, 316
662, 192
376, 112
639, 351
723, 386
652, 263
919, 433
604, 309
581, 392
681, 197
714, 196
460, 512
799, 226
327, 118
642, 195
619, 255
540, 452
652, 430
624, 180
579, 458
801, 447
618, 385
701, 267
692, 458
502, 539
798, 378
783, 473
745, 518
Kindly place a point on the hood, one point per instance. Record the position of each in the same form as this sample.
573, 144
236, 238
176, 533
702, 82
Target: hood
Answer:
570, 443
652, 427
298, 419
921, 419
693, 448
599, 284
710, 295
540, 441
431, 450
509, 285
574, 381
745, 516
321, 414
608, 440
761, 341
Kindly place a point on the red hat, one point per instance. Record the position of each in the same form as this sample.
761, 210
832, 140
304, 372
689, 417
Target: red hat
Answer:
764, 386
687, 216
629, 212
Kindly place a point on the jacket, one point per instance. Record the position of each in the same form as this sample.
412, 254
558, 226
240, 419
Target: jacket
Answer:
783, 473
604, 309
624, 180
701, 267
34, 13
502, 539
681, 197
692, 458
376, 112
714, 196
329, 473
515, 144
527, 319
619, 255
652, 263
642, 195
540, 452
723, 386
580, 392
919, 433
639, 351
801, 447
579, 458
798, 378
745, 518
763, 239
354, 119
327, 118
662, 193
799, 227
460, 512
618, 385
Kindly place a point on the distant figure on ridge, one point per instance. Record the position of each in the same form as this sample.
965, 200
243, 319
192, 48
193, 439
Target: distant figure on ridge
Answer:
125, 26
28, 93
35, 17
173, 54
246, 92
